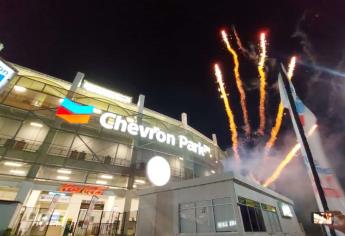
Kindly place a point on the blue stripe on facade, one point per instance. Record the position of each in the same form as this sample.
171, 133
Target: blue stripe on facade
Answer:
76, 108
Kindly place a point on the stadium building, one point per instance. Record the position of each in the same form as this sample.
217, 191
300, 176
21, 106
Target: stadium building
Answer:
79, 156
64, 146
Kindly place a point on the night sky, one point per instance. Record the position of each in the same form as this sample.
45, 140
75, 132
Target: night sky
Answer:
166, 49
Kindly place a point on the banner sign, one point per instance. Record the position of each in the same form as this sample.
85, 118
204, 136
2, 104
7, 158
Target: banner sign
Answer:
329, 182
6, 73
84, 189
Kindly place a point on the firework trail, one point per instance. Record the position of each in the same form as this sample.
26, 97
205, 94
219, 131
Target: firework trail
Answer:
228, 110
261, 69
245, 51
291, 67
292, 153
238, 41
279, 118
239, 85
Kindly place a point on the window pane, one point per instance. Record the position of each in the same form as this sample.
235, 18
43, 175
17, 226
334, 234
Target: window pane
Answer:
260, 219
245, 218
204, 217
107, 179
187, 220
275, 222
61, 174
267, 221
253, 219
14, 168
8, 128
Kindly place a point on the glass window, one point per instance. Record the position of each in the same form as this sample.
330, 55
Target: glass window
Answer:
8, 127
32, 133
204, 217
252, 218
224, 215
16, 168
187, 218
245, 218
61, 143
107, 179
271, 218
61, 174
260, 219
123, 152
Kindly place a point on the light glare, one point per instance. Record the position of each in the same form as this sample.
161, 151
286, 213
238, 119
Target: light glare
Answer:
19, 89
14, 164
158, 171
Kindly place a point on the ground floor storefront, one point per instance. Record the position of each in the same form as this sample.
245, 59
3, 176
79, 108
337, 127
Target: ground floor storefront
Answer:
56, 209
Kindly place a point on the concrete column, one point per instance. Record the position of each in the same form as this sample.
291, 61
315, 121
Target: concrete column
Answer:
214, 139
10, 211
127, 210
76, 82
215, 146
73, 208
136, 142
184, 119
24, 189
140, 103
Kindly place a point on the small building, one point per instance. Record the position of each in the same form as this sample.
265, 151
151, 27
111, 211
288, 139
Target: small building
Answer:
225, 204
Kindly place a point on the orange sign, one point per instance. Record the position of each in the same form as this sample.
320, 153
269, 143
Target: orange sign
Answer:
84, 189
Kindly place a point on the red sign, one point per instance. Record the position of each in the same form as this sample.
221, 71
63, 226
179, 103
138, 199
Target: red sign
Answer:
84, 189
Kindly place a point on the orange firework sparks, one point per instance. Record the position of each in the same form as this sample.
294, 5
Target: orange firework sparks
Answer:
238, 83
279, 118
238, 40
261, 69
228, 110
246, 52
286, 160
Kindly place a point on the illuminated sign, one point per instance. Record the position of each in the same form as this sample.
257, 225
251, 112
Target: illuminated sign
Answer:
6, 73
118, 123
226, 224
74, 113
285, 210
89, 190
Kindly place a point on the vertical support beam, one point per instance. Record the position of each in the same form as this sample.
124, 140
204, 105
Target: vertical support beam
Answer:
140, 104
215, 146
214, 139
76, 82
135, 143
127, 212
184, 119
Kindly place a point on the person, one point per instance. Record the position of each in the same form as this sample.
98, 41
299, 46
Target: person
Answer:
338, 222
68, 228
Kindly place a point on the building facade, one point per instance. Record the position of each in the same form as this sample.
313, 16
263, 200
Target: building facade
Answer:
221, 204
76, 154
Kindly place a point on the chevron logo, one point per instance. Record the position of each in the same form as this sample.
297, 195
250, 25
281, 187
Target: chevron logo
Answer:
74, 113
